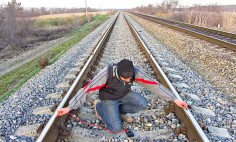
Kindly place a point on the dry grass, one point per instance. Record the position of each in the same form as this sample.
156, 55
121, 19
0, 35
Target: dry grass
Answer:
229, 21
43, 62
225, 21
68, 15
163, 15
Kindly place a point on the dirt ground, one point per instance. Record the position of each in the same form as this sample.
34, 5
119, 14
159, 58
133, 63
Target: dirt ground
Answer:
11, 58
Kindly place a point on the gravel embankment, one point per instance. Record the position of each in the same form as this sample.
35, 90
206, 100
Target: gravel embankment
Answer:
216, 64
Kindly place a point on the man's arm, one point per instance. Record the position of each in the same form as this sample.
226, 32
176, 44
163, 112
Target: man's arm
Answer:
94, 85
155, 87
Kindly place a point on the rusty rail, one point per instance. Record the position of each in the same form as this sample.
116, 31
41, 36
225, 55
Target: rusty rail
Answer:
180, 26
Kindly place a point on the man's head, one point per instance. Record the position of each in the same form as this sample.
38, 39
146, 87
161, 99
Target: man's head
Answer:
125, 70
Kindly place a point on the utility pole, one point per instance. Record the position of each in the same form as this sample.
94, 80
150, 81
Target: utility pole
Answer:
100, 5
86, 8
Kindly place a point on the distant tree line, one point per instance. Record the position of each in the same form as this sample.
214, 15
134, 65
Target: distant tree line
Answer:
33, 12
165, 7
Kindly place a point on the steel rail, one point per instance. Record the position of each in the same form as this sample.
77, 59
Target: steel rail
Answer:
50, 132
170, 24
194, 131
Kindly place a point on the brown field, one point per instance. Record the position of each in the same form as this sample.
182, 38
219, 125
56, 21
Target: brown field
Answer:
67, 15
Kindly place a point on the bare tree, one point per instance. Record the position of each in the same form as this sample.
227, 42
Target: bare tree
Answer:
1, 26
12, 10
43, 11
13, 24
169, 5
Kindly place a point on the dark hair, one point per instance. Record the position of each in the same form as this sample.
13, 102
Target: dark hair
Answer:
125, 68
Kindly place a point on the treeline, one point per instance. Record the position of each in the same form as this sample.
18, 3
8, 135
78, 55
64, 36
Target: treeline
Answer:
18, 28
213, 16
34, 12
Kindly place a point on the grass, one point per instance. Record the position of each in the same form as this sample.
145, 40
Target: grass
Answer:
52, 22
12, 81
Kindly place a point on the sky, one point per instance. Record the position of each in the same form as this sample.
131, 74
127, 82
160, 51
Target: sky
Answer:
106, 4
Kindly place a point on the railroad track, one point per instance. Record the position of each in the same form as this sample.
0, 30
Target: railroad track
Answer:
224, 39
189, 125
152, 124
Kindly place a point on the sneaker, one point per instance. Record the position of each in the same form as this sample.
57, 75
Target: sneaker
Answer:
127, 118
95, 104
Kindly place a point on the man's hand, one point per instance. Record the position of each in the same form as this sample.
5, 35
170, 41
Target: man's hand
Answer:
181, 103
63, 111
